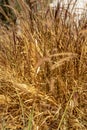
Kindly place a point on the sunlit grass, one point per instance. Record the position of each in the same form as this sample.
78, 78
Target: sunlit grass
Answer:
43, 72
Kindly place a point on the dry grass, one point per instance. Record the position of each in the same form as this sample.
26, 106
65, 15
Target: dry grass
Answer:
43, 73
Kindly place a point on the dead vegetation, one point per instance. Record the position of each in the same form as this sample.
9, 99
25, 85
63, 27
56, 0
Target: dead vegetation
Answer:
43, 73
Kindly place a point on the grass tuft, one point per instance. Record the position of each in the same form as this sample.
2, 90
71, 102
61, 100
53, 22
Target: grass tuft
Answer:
43, 70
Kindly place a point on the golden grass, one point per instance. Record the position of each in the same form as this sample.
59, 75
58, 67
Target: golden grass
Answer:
43, 75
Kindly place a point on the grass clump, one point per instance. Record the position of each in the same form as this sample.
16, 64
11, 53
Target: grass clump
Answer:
43, 71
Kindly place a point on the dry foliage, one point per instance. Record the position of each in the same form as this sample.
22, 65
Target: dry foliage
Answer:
43, 72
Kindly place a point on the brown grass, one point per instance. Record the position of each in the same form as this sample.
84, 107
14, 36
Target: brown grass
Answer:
43, 73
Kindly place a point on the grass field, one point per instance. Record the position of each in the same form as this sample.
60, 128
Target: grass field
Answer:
43, 72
